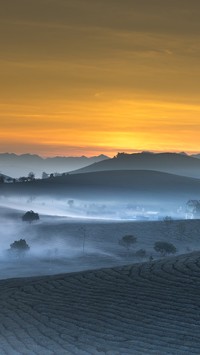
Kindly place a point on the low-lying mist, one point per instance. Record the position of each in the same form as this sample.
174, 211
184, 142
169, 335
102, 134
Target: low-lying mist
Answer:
74, 235
92, 209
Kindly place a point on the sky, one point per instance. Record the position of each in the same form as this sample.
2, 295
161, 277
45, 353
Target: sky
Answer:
85, 77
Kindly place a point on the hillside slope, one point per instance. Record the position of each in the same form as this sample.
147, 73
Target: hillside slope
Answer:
111, 185
172, 163
150, 308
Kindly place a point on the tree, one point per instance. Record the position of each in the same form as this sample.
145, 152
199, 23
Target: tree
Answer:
30, 216
127, 241
19, 247
31, 176
165, 248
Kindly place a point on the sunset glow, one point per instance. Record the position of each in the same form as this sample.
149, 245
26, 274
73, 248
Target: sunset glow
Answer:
90, 77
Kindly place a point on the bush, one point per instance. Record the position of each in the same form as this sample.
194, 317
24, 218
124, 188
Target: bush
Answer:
30, 216
165, 248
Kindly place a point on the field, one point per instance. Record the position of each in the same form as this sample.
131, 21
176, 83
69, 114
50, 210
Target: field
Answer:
149, 308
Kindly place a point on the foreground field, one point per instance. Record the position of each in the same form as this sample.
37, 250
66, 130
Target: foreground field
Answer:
149, 308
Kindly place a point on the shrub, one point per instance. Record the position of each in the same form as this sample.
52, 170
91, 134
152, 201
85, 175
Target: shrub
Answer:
165, 248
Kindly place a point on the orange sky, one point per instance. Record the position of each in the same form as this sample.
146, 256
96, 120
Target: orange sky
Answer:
99, 76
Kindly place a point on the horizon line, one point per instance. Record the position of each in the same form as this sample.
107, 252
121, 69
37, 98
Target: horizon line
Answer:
134, 151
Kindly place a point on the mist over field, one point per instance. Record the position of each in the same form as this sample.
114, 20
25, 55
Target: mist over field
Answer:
94, 209
75, 235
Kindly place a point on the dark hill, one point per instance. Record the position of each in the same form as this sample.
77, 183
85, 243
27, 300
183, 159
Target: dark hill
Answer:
115, 185
173, 163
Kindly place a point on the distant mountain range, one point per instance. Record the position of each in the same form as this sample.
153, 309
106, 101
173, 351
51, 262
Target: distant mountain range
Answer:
21, 165
173, 163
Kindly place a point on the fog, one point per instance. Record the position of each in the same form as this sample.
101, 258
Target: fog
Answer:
122, 209
75, 235
56, 244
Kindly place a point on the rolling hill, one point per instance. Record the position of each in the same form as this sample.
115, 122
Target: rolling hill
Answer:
115, 185
148, 308
173, 163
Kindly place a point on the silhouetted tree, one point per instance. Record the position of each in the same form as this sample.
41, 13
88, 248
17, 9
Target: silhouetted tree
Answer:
30, 216
31, 176
127, 241
165, 248
19, 247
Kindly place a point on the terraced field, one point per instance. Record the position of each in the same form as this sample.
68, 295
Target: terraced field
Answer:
149, 308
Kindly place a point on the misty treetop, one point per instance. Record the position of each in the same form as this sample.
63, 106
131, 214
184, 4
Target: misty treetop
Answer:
30, 216
19, 248
127, 241
165, 248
